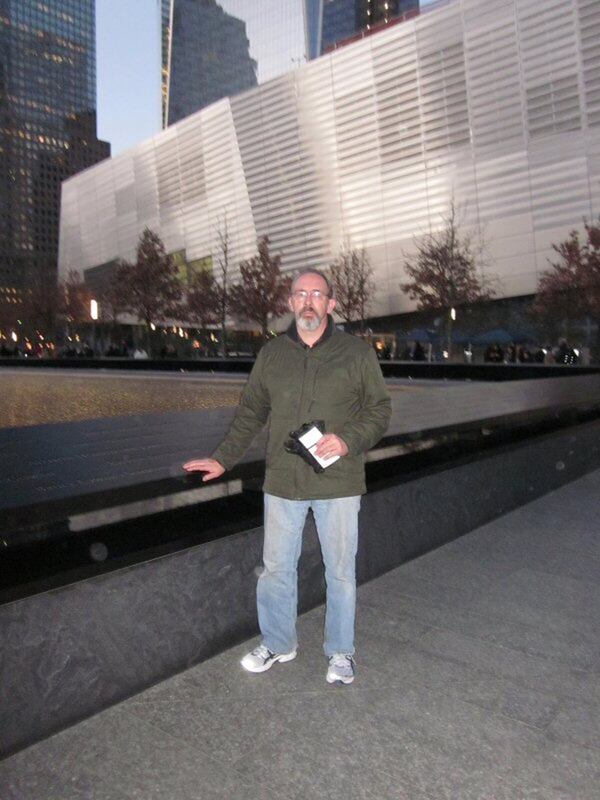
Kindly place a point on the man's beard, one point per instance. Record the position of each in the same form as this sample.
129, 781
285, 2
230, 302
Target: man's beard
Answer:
307, 323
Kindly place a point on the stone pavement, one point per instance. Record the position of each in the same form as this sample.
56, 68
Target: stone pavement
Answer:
478, 679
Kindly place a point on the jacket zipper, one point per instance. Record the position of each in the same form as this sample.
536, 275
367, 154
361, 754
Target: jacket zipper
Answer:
298, 420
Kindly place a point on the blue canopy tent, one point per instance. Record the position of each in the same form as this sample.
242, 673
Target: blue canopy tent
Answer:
418, 335
501, 336
495, 336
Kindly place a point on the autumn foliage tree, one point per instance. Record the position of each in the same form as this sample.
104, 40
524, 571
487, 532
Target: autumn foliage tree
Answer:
352, 278
151, 287
109, 295
570, 290
202, 299
262, 291
444, 271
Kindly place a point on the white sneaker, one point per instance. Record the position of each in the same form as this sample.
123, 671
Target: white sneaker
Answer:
261, 659
341, 668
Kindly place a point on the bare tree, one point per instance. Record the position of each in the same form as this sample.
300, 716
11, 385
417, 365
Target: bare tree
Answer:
352, 278
263, 290
570, 290
109, 295
444, 272
222, 288
202, 299
75, 299
203, 296
151, 286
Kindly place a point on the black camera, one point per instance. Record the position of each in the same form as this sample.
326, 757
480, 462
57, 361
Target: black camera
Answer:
295, 445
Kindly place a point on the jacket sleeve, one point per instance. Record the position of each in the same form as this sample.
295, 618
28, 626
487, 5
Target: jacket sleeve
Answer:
365, 429
250, 417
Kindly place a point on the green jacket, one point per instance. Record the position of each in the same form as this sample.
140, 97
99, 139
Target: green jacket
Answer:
339, 381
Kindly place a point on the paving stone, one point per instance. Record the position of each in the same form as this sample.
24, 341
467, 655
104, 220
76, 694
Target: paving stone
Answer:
442, 708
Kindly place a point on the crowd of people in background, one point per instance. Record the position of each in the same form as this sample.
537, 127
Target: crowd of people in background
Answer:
562, 353
511, 353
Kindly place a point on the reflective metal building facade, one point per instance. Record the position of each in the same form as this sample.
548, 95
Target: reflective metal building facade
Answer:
492, 103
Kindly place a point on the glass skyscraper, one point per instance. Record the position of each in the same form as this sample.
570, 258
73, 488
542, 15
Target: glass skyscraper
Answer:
343, 19
165, 42
218, 48
47, 132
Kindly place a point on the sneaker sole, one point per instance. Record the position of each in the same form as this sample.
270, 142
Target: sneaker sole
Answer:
337, 679
282, 658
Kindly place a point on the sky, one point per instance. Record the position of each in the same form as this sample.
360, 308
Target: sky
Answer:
128, 71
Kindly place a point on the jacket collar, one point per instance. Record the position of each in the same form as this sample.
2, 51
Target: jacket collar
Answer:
292, 332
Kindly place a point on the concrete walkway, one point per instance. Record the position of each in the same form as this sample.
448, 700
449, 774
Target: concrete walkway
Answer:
479, 667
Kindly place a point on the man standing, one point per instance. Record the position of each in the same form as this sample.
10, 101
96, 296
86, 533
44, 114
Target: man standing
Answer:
312, 372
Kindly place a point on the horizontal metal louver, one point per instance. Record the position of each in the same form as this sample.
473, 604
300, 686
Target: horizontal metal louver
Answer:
495, 103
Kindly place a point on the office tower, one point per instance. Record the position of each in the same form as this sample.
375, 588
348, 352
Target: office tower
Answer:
47, 133
210, 57
165, 43
341, 20
218, 48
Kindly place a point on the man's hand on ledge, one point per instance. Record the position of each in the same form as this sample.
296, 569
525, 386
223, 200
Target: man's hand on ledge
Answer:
212, 468
331, 445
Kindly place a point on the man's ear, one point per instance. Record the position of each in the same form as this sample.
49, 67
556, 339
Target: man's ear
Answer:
290, 304
331, 305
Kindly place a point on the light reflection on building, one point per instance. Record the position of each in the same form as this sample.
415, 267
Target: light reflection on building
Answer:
369, 145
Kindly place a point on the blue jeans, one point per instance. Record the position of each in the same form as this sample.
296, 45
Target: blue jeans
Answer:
277, 590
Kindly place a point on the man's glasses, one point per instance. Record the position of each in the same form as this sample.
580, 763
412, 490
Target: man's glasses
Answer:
314, 294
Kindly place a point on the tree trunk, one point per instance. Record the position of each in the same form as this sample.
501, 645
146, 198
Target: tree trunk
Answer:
223, 329
148, 340
449, 336
595, 350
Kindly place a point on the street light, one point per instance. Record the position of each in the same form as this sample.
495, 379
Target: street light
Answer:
450, 321
94, 316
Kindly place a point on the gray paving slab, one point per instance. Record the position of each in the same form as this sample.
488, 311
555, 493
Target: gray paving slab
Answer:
474, 683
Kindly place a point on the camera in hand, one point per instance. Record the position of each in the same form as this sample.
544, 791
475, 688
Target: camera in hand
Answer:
296, 443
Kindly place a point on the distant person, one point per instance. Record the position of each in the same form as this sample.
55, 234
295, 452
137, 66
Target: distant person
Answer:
493, 354
584, 355
563, 354
418, 353
523, 355
312, 372
510, 354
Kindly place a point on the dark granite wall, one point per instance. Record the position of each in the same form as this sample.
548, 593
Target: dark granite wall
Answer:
70, 652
